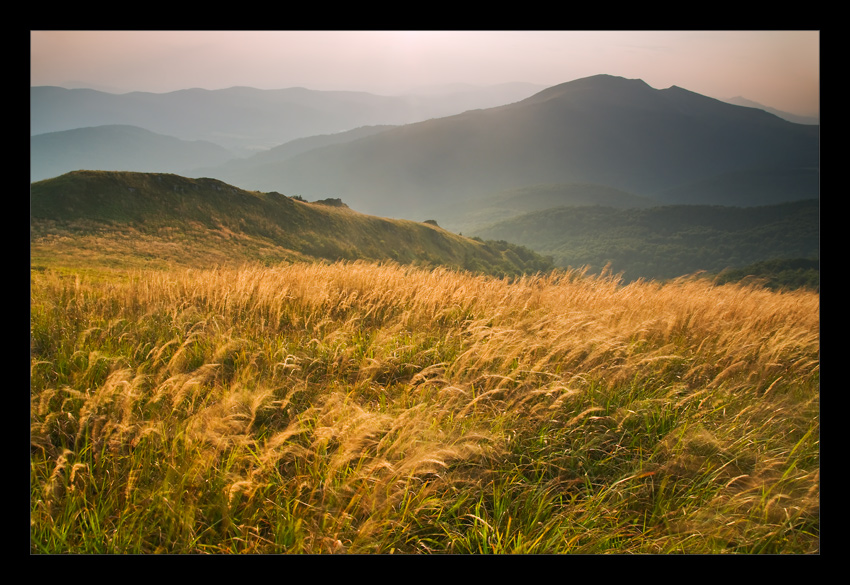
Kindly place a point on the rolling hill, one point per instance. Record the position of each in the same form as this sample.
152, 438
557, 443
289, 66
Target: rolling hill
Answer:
124, 220
606, 130
667, 241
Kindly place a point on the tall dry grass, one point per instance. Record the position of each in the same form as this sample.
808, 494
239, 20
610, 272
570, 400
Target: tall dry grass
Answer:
377, 408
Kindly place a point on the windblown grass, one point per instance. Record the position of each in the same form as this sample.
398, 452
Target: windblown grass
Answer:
367, 408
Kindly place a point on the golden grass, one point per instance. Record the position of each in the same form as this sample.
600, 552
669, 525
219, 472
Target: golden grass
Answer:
356, 407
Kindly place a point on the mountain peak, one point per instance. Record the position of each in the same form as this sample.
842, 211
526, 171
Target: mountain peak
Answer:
593, 87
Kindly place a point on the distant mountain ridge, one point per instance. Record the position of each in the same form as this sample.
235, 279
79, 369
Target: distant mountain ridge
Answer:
288, 150
118, 148
246, 120
670, 145
604, 130
796, 118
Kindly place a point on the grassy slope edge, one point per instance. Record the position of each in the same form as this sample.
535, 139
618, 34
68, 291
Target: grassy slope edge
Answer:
124, 219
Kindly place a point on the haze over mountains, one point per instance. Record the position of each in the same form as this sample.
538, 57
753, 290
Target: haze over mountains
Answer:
603, 130
511, 171
116, 148
669, 145
797, 119
247, 120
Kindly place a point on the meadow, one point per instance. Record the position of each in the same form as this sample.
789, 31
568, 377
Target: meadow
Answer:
356, 407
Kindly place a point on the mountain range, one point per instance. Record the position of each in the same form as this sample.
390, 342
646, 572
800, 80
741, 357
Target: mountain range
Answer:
247, 120
516, 172
669, 145
604, 130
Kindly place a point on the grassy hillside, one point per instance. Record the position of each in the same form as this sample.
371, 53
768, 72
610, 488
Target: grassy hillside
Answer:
356, 408
197, 388
122, 220
669, 241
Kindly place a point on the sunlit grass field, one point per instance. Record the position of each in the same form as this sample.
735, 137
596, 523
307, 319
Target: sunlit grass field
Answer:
365, 408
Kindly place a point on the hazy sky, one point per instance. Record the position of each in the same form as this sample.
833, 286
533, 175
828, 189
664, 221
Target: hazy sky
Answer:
780, 69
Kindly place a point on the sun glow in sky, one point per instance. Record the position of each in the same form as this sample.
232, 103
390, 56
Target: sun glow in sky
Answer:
780, 69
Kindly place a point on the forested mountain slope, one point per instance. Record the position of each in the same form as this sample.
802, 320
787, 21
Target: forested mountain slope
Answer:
667, 241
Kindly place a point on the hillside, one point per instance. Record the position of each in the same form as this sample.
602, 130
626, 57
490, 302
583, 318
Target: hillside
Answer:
118, 148
604, 130
123, 219
753, 187
667, 241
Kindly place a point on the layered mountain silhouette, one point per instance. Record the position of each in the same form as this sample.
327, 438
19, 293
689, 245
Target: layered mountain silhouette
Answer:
118, 148
604, 130
668, 146
796, 118
247, 120
288, 150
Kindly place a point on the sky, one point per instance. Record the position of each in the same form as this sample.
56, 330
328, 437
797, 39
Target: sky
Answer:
779, 69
